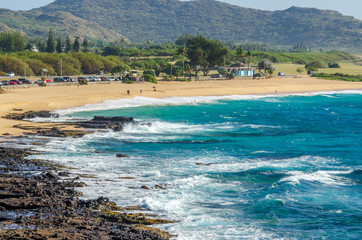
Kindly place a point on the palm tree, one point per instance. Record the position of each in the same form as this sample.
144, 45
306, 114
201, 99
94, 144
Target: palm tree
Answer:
239, 53
249, 55
182, 50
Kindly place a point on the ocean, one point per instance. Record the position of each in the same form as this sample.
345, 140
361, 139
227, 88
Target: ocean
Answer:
229, 167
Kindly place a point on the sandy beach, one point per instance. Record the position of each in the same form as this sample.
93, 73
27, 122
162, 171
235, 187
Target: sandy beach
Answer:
61, 97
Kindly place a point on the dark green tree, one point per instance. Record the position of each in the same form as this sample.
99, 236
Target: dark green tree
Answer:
111, 50
249, 54
68, 45
265, 65
12, 42
205, 54
85, 45
182, 50
76, 45
59, 45
51, 47
239, 53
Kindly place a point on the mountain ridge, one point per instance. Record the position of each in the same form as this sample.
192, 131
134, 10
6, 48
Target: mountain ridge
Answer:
165, 20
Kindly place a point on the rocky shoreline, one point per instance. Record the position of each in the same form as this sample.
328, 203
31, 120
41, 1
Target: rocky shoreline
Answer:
38, 199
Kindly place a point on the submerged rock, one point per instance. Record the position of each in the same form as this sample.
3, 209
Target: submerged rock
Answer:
99, 122
31, 114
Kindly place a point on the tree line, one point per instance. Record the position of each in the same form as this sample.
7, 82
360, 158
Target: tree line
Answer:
188, 54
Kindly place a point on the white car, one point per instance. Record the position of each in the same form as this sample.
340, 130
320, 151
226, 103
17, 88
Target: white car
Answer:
10, 74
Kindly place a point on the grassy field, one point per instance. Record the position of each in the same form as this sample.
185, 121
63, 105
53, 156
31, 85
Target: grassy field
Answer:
347, 68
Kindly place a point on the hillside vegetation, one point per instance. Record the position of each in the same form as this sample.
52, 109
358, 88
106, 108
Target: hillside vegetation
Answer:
165, 20
37, 24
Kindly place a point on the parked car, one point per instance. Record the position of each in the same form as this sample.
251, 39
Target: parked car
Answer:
25, 81
281, 74
216, 75
4, 83
69, 79
11, 74
311, 72
40, 81
14, 82
59, 79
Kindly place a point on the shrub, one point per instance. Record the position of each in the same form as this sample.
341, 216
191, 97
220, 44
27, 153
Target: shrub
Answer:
339, 76
300, 70
334, 65
83, 81
150, 78
149, 72
315, 65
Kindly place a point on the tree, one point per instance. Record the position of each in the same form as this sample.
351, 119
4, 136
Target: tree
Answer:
205, 54
76, 45
121, 69
266, 65
59, 46
51, 42
182, 50
249, 55
85, 45
68, 45
313, 66
111, 50
12, 42
239, 53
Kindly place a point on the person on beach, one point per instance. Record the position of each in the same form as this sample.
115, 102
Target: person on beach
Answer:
128, 92
141, 92
154, 89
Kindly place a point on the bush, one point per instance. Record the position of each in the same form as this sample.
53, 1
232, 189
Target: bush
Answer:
334, 65
150, 78
149, 72
300, 70
183, 80
83, 81
315, 65
339, 76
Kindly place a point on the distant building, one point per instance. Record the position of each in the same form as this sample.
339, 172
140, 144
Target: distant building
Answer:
241, 71
34, 49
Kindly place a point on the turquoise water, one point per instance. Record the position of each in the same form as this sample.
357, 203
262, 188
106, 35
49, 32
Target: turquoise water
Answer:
237, 167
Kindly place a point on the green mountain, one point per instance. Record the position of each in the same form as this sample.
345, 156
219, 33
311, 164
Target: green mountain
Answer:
37, 24
165, 20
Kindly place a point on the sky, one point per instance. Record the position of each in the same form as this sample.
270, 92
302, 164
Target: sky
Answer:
346, 7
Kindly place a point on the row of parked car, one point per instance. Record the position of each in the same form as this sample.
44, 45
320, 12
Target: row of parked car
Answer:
20, 81
97, 79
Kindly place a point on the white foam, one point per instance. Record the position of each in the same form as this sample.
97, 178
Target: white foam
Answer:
324, 177
146, 101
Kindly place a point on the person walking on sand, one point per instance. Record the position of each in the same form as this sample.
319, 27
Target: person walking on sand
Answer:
154, 89
141, 92
128, 92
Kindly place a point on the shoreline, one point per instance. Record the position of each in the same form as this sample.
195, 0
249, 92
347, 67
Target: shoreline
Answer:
39, 201
65, 97
97, 94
